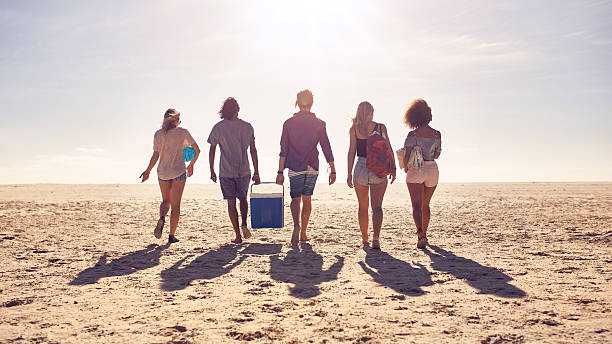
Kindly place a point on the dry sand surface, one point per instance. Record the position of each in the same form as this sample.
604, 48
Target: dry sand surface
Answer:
508, 263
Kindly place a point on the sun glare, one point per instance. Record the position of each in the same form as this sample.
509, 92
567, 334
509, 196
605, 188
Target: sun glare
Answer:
314, 25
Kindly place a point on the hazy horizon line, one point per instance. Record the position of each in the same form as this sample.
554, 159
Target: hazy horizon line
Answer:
344, 183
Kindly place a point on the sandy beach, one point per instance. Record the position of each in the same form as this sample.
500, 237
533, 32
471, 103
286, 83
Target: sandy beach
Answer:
507, 263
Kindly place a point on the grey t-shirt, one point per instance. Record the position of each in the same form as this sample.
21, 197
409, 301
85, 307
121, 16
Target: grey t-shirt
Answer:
233, 138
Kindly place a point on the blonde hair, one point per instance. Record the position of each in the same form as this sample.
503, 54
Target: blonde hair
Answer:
362, 116
169, 116
304, 99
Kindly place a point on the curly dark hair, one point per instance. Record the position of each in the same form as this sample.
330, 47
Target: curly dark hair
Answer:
229, 109
418, 114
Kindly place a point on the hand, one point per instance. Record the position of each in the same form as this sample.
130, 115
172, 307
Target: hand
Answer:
144, 175
189, 170
256, 178
392, 176
332, 177
349, 181
280, 179
213, 176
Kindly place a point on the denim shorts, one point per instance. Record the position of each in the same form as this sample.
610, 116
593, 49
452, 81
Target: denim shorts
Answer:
302, 185
233, 188
362, 176
181, 177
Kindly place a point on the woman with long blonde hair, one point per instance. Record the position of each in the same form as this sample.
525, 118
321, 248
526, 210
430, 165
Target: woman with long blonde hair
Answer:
363, 179
168, 145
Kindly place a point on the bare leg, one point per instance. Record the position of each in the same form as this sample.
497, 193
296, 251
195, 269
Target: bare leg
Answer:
295, 213
176, 195
164, 207
306, 210
416, 197
363, 214
377, 193
428, 192
233, 215
295, 210
244, 210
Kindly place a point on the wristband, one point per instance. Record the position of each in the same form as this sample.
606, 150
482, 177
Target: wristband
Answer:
279, 172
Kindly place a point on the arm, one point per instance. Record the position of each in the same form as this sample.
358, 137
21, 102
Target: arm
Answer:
284, 143
392, 176
197, 154
280, 177
407, 157
437, 154
325, 146
253, 151
145, 175
211, 162
329, 156
408, 144
351, 157
332, 173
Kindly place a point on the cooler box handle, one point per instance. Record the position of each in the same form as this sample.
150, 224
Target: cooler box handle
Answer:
282, 186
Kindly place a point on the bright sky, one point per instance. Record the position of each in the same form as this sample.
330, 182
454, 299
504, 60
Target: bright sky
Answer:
521, 90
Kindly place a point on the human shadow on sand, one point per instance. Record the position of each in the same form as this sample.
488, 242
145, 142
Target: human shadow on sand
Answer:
125, 265
304, 269
486, 279
212, 264
396, 274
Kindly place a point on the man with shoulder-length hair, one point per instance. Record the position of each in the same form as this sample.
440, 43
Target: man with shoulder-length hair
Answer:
301, 134
234, 136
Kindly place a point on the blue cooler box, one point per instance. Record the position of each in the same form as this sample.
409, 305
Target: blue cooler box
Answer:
267, 208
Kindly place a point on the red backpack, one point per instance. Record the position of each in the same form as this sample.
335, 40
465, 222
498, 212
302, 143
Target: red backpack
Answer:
379, 154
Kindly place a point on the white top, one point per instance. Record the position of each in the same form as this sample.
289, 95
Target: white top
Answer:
309, 170
170, 146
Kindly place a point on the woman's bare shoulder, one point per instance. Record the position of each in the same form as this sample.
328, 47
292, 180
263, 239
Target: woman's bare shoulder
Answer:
437, 133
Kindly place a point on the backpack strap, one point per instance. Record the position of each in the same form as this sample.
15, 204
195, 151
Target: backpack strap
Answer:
377, 130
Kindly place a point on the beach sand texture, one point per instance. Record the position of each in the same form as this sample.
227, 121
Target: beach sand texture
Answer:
508, 263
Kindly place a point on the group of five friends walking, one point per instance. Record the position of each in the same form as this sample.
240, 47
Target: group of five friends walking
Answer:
301, 135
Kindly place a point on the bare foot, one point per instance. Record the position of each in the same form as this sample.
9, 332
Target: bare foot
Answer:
375, 244
422, 243
237, 241
245, 232
303, 237
295, 236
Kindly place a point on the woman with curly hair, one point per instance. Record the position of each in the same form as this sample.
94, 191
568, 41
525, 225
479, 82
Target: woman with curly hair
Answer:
421, 180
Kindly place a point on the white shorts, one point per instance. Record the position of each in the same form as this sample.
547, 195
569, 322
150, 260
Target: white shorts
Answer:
428, 174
